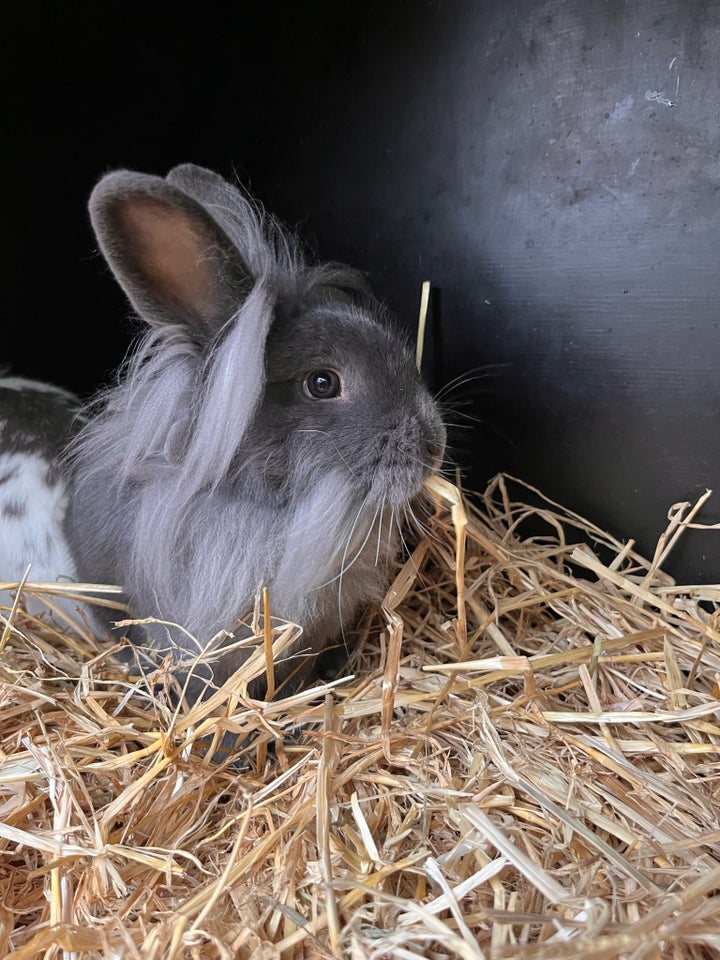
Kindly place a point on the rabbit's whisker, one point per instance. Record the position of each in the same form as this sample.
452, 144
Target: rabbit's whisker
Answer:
453, 411
380, 516
470, 376
344, 565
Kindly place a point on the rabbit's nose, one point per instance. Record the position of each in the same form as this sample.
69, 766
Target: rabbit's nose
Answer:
433, 452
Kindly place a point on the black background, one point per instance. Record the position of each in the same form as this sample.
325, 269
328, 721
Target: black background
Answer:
552, 167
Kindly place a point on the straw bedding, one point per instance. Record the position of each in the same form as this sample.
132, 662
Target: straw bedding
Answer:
519, 760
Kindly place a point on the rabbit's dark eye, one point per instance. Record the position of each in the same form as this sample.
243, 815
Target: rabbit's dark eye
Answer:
322, 384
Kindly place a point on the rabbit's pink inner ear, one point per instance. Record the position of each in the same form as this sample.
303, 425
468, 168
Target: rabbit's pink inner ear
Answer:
175, 262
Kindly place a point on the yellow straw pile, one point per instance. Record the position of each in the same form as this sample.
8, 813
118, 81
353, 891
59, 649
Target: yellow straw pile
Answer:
519, 761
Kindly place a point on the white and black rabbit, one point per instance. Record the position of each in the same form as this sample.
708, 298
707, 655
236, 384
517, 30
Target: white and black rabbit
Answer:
270, 427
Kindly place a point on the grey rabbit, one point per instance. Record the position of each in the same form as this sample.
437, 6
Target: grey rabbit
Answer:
269, 427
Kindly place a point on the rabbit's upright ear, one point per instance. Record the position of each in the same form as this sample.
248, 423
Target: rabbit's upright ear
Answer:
199, 182
174, 262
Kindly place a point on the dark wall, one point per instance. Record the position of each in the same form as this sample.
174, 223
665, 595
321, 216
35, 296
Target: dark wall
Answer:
552, 167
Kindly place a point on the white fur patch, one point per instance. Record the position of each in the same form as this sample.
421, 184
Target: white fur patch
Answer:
31, 517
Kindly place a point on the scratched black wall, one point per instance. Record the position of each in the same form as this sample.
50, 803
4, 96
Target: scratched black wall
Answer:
552, 167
